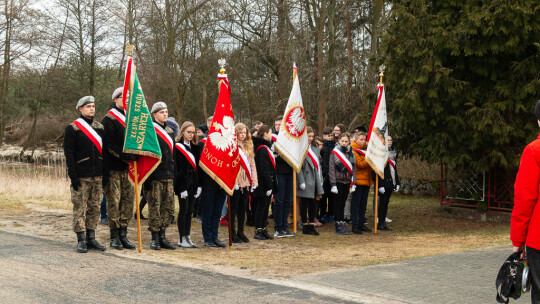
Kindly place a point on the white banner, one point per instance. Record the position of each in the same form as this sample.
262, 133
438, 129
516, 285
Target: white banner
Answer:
377, 148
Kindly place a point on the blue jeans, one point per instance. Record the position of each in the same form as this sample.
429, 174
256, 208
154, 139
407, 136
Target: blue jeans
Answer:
104, 207
359, 204
283, 201
212, 204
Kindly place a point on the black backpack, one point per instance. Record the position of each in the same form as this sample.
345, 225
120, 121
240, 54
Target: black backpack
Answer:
513, 279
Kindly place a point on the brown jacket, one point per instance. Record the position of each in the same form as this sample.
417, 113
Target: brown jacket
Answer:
363, 169
242, 180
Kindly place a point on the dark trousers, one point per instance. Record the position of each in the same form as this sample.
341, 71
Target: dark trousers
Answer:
533, 259
184, 215
384, 200
359, 204
212, 203
260, 206
239, 202
307, 210
104, 207
283, 201
339, 201
326, 204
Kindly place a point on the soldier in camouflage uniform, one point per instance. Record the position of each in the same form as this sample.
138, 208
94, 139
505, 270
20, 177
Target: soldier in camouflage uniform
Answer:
120, 192
83, 150
159, 187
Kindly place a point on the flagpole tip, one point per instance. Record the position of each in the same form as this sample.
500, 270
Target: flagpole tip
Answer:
222, 62
382, 67
129, 49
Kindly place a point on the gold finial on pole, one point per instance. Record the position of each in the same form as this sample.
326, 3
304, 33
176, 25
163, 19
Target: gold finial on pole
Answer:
381, 71
222, 62
129, 49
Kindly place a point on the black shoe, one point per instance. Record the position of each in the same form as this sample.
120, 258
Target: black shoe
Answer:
242, 237
163, 241
364, 228
81, 242
266, 234
123, 239
209, 244
235, 238
259, 234
307, 230
383, 228
356, 229
91, 242
287, 233
155, 241
218, 243
115, 239
386, 228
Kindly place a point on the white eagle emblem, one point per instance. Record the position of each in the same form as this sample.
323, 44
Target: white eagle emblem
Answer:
296, 122
224, 137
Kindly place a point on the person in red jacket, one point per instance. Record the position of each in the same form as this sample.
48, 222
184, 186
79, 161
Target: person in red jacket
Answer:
525, 223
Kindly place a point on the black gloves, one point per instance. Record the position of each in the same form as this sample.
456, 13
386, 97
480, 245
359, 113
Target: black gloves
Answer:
75, 183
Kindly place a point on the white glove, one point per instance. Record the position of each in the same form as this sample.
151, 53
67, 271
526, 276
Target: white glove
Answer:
302, 186
381, 190
353, 188
397, 188
334, 190
183, 195
269, 192
253, 188
236, 187
199, 190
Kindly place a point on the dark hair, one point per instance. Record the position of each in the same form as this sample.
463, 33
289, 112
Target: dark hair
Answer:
361, 129
327, 130
256, 123
263, 130
280, 117
309, 130
343, 135
317, 138
252, 130
341, 127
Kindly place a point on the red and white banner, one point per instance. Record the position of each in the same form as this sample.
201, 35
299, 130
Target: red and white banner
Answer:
119, 116
188, 155
91, 133
161, 133
219, 158
377, 149
244, 162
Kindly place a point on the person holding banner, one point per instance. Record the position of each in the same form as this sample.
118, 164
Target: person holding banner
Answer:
186, 181
83, 149
309, 185
159, 187
245, 183
342, 175
364, 180
387, 185
120, 192
266, 175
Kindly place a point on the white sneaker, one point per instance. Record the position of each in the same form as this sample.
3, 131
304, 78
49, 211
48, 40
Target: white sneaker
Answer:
388, 220
190, 242
184, 243
276, 233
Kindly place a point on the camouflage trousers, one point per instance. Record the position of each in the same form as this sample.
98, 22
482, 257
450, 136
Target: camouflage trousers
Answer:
120, 199
160, 198
86, 203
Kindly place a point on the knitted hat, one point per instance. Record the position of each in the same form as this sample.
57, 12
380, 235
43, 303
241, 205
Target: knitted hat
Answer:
84, 101
171, 122
158, 106
537, 110
117, 93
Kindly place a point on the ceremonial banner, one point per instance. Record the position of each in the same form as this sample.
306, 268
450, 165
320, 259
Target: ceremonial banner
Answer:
140, 136
292, 140
377, 148
219, 158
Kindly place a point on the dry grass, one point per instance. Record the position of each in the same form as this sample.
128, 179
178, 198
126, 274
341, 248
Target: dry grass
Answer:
419, 229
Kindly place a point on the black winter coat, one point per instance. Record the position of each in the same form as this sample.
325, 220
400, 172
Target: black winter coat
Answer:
387, 182
114, 139
165, 170
266, 174
186, 176
82, 156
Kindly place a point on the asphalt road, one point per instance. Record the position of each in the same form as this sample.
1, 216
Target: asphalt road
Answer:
35, 270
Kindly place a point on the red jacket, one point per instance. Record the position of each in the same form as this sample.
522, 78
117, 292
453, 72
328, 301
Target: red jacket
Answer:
525, 224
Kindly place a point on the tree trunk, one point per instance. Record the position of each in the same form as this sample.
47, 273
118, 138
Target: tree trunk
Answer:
6, 66
283, 71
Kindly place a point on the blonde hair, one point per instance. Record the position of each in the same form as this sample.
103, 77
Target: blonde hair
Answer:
247, 144
184, 126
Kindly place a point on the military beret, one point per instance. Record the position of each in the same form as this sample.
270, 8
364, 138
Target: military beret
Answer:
158, 106
117, 93
537, 110
84, 101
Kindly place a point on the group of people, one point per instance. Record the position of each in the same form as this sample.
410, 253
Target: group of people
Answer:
332, 185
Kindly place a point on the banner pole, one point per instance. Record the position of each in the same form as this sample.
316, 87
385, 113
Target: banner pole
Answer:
295, 73
137, 206
376, 202
230, 224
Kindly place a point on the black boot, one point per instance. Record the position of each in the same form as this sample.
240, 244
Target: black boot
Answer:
235, 238
91, 242
266, 234
306, 229
385, 228
356, 229
123, 239
242, 236
115, 239
315, 232
163, 241
259, 234
155, 241
81, 242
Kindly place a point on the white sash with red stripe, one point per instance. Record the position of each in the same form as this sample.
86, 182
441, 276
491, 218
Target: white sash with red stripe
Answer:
164, 136
190, 157
392, 163
91, 133
314, 159
344, 160
274, 137
270, 154
360, 152
119, 116
245, 163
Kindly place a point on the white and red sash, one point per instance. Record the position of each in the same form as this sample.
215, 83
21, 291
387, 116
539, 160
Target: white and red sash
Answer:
91, 133
270, 154
274, 137
119, 116
344, 160
360, 152
392, 163
189, 156
164, 136
244, 162
203, 140
315, 160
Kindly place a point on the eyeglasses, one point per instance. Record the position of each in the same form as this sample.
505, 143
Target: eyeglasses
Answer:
190, 132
